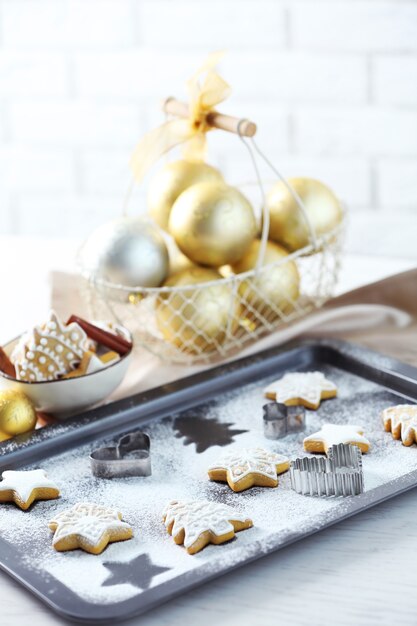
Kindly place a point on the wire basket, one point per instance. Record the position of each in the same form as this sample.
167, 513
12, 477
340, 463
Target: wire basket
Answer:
188, 342
187, 324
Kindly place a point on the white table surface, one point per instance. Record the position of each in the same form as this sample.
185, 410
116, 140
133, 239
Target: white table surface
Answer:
360, 572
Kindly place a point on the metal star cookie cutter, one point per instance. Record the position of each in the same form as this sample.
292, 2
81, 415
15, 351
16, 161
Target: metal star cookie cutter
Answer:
340, 474
281, 420
130, 457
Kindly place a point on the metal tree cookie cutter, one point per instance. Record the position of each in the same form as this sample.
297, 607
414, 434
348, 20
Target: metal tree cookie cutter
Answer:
130, 457
281, 420
340, 474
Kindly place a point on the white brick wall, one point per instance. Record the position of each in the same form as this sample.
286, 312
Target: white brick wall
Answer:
215, 24
369, 131
59, 24
395, 80
365, 26
332, 85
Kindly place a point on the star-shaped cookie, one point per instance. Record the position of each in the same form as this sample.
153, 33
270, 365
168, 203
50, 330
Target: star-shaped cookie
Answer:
24, 487
89, 527
401, 421
198, 523
333, 434
306, 388
249, 467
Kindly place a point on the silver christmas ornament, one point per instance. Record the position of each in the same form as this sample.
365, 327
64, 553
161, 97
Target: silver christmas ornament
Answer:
126, 251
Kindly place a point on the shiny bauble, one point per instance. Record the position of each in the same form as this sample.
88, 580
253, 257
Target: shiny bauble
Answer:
126, 251
171, 181
274, 289
196, 320
287, 223
212, 224
17, 413
177, 260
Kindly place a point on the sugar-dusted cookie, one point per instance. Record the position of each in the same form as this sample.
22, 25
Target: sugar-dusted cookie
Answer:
89, 527
333, 434
401, 421
109, 357
249, 467
87, 365
24, 487
198, 523
49, 351
306, 388
91, 363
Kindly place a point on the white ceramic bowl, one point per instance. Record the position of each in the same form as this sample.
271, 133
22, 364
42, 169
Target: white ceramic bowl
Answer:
67, 396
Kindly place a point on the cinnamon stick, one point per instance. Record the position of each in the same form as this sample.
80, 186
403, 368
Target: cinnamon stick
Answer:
6, 365
44, 419
109, 340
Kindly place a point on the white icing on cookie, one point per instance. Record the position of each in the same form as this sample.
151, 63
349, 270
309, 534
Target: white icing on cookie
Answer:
24, 482
88, 521
199, 516
333, 434
308, 386
246, 461
49, 351
402, 417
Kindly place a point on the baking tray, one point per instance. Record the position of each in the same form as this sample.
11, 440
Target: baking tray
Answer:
191, 422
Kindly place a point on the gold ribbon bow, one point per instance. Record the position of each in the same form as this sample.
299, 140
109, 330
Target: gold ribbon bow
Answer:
206, 89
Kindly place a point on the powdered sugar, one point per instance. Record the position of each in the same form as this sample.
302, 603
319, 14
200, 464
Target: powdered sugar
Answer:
179, 472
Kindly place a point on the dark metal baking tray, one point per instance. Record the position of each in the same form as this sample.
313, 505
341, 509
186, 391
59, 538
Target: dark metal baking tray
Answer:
371, 381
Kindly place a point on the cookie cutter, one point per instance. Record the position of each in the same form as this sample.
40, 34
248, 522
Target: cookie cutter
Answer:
130, 457
340, 474
281, 420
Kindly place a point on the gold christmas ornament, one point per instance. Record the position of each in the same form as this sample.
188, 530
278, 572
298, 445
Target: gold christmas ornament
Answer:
171, 181
17, 413
197, 319
213, 224
177, 260
276, 286
288, 225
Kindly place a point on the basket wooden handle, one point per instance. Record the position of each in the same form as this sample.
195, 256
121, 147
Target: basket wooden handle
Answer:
218, 120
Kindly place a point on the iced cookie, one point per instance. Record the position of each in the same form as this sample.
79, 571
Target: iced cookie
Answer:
249, 467
198, 523
49, 351
24, 487
91, 363
333, 434
401, 421
89, 527
305, 388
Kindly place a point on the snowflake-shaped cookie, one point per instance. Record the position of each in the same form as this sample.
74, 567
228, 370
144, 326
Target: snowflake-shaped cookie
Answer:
88, 526
49, 351
333, 434
249, 467
306, 388
401, 421
24, 487
198, 523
